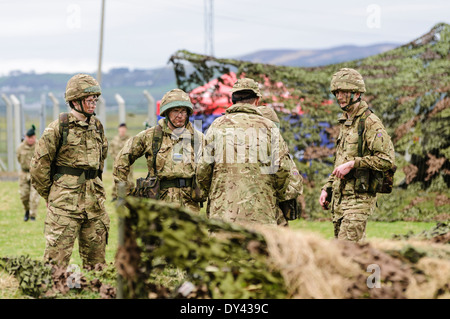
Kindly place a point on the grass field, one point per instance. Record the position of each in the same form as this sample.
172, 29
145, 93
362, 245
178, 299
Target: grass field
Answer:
27, 238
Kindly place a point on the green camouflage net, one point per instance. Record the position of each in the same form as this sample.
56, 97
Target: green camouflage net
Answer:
407, 88
220, 260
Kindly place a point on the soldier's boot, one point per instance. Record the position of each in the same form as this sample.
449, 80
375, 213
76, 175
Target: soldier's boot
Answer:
27, 215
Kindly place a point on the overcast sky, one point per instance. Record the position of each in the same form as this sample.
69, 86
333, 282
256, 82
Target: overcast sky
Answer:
63, 35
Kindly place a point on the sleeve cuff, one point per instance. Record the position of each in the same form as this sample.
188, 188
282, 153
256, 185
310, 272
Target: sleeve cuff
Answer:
357, 162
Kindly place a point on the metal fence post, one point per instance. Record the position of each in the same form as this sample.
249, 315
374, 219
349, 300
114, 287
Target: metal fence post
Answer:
151, 109
121, 103
55, 105
17, 127
9, 132
42, 115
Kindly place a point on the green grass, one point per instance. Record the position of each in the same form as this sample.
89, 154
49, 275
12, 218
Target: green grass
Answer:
375, 229
27, 238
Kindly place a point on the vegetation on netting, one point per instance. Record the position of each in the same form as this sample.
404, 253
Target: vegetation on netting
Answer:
37, 279
408, 88
219, 260
170, 252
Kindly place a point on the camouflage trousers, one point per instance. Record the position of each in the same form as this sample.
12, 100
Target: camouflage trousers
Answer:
60, 234
350, 215
180, 197
28, 195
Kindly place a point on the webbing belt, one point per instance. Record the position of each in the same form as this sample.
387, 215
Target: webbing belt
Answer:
88, 173
177, 182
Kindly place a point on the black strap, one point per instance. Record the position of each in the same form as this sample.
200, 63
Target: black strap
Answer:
361, 127
156, 145
89, 173
177, 182
157, 141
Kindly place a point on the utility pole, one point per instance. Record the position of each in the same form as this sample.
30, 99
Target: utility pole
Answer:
101, 101
99, 70
209, 27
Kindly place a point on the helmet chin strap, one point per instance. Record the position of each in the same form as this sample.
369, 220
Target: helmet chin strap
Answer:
346, 107
168, 120
184, 125
88, 115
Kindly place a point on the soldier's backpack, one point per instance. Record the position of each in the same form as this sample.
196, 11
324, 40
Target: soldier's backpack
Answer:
367, 180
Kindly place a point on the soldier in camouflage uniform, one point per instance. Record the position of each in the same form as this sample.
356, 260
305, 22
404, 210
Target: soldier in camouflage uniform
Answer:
175, 160
245, 168
28, 195
66, 170
351, 208
295, 187
116, 145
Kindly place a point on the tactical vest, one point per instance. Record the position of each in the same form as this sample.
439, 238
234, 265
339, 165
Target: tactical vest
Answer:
57, 171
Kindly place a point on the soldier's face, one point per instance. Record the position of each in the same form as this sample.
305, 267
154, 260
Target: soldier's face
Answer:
178, 116
343, 97
122, 131
90, 103
30, 140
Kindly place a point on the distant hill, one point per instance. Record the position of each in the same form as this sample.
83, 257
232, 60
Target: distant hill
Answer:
128, 83
131, 83
317, 57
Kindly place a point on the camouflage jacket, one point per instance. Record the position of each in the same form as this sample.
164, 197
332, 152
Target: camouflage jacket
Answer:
175, 158
295, 187
116, 145
24, 154
245, 167
86, 148
378, 150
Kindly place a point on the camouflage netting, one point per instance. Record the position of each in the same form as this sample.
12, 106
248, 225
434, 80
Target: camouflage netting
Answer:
42, 280
408, 88
221, 260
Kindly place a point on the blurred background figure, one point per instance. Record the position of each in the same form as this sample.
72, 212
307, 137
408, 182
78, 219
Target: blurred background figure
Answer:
116, 145
28, 195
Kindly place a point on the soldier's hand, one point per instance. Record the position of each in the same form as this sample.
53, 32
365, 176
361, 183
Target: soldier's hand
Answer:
322, 200
343, 169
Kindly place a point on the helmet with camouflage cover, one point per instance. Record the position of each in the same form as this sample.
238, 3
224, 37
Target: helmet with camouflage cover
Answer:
347, 79
175, 98
81, 86
246, 84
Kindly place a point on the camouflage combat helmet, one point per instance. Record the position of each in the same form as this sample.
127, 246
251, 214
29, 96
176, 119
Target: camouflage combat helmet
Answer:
175, 98
246, 84
80, 86
347, 79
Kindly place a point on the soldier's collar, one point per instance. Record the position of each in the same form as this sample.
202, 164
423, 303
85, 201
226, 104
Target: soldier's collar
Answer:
244, 107
72, 118
188, 129
362, 107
